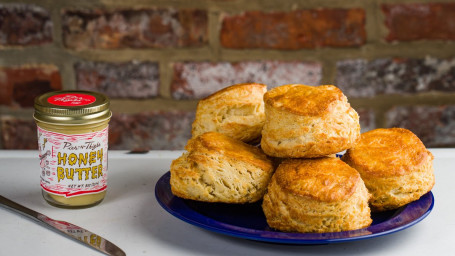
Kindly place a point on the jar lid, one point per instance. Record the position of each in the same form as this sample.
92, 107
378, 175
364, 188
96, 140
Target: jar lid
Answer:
72, 107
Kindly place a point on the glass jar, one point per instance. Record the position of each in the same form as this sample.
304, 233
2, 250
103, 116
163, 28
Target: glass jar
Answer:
73, 147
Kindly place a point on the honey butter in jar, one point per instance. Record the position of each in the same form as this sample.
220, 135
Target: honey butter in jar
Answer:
73, 143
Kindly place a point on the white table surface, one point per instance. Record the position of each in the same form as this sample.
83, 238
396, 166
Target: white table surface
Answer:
131, 218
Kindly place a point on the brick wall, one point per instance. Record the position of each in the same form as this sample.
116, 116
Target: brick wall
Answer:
394, 59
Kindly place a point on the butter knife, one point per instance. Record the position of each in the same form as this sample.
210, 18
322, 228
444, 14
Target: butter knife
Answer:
75, 232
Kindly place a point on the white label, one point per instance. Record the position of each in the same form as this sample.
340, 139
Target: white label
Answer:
73, 164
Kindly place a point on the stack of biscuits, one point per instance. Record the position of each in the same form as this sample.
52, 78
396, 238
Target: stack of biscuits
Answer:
293, 170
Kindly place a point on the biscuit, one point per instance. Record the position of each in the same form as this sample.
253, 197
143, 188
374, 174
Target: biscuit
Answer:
395, 166
308, 121
218, 168
237, 111
316, 195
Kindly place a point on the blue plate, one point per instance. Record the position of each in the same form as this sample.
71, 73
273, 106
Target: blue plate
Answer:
248, 221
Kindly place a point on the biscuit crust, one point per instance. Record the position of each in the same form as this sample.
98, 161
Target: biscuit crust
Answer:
316, 195
303, 100
388, 152
218, 168
308, 122
312, 178
237, 111
395, 166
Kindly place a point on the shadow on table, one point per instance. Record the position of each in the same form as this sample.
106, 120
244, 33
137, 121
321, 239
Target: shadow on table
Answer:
195, 241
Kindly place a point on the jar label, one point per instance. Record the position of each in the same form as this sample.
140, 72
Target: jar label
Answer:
73, 164
71, 99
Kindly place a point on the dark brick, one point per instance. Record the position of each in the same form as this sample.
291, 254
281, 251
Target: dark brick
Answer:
195, 80
18, 133
435, 126
24, 25
20, 85
415, 21
119, 80
156, 130
294, 30
367, 119
362, 78
138, 28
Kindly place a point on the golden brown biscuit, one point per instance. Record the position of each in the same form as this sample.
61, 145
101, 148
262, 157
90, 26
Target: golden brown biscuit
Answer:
308, 121
395, 166
237, 111
218, 168
316, 195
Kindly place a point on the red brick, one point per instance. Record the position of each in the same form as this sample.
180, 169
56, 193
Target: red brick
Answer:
24, 25
157, 130
434, 125
119, 80
294, 30
431, 21
20, 85
195, 80
138, 28
18, 133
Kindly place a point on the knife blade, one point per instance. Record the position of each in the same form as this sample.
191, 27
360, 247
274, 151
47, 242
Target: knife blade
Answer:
70, 230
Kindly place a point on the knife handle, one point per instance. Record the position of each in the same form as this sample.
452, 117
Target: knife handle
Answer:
19, 208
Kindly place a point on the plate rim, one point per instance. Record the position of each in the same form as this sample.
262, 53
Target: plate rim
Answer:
278, 236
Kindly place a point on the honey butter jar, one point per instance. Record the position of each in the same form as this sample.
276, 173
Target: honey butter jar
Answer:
73, 147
